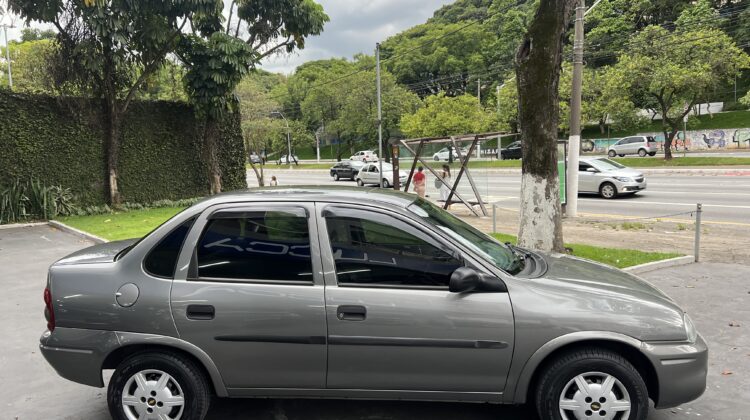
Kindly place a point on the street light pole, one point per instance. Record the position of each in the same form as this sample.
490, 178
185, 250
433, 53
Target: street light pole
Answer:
380, 116
7, 57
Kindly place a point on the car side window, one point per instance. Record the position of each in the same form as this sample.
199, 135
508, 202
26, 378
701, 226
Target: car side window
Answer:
161, 261
271, 245
583, 167
383, 253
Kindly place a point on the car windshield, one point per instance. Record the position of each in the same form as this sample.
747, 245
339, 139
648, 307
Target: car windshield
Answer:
497, 253
605, 165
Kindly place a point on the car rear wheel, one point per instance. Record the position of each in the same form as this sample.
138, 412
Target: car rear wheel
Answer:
158, 385
642, 152
611, 153
437, 158
360, 183
335, 176
652, 153
591, 384
608, 190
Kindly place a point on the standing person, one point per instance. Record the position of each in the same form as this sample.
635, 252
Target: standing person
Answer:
274, 182
444, 189
419, 182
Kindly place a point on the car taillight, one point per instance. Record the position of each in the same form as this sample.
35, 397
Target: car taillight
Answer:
49, 313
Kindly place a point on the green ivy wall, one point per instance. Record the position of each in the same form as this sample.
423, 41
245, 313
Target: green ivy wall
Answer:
59, 141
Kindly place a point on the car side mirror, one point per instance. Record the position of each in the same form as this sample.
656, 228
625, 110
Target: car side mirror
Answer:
591, 170
465, 280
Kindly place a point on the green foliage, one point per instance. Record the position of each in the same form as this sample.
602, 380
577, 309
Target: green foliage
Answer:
58, 142
292, 20
33, 200
443, 116
34, 34
30, 61
461, 11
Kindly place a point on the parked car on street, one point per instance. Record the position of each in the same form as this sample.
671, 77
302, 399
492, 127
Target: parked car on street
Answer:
284, 160
255, 159
352, 293
346, 169
365, 156
370, 175
608, 178
513, 151
443, 154
634, 145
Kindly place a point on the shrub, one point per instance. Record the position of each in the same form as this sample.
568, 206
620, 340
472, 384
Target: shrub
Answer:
32, 200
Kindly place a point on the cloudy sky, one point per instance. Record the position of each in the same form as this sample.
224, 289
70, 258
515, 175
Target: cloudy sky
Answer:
355, 26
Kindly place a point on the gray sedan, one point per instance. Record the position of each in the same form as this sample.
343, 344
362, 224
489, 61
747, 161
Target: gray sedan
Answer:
351, 293
608, 178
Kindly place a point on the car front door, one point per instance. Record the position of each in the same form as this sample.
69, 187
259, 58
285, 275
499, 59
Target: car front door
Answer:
250, 294
392, 322
587, 181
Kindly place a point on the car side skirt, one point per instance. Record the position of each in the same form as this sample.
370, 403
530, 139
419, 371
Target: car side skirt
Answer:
367, 394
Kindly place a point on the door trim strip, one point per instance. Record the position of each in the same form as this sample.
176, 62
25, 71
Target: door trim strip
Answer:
414, 342
283, 339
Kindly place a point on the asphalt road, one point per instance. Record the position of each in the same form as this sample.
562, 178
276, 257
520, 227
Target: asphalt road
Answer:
714, 294
725, 195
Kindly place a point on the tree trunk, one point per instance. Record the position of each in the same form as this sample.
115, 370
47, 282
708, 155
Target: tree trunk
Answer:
258, 173
112, 124
538, 63
603, 125
211, 151
667, 144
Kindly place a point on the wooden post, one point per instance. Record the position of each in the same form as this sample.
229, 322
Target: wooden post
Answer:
465, 168
414, 163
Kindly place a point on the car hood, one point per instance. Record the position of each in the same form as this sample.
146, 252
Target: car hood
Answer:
624, 172
101, 253
587, 273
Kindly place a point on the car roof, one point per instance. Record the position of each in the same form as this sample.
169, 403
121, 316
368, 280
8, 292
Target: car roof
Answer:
351, 195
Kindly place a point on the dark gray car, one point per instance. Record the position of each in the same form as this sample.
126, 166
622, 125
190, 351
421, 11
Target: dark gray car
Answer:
351, 293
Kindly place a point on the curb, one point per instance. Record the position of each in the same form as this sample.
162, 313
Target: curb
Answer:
657, 265
22, 225
77, 232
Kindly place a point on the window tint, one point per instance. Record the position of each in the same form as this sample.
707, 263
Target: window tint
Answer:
162, 259
583, 167
368, 252
258, 245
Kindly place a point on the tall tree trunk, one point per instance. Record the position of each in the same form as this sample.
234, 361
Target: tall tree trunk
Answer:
538, 63
258, 173
112, 124
603, 125
211, 151
668, 137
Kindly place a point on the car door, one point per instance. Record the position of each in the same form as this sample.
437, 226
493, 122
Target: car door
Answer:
250, 294
587, 181
392, 322
629, 146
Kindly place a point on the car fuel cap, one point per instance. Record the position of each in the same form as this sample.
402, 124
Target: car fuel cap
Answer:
126, 295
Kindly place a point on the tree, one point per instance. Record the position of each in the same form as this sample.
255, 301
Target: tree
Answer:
538, 71
443, 115
258, 128
109, 48
34, 34
31, 65
676, 72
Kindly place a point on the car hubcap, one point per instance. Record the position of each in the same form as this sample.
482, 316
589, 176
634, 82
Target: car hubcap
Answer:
608, 191
152, 394
594, 395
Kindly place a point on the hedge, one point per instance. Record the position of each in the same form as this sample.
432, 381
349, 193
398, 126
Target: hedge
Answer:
60, 142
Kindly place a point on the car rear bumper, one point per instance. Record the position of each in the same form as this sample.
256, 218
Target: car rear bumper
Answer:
681, 370
78, 354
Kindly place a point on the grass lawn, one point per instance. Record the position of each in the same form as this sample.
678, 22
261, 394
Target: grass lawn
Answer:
731, 119
137, 223
122, 225
615, 257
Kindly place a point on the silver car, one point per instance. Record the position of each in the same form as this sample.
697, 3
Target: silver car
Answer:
370, 175
634, 145
365, 294
608, 178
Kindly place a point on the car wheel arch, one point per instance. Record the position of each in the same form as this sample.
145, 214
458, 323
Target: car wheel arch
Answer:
626, 346
133, 343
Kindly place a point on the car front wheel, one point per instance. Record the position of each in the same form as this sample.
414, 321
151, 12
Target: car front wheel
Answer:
336, 177
611, 153
159, 386
652, 153
642, 152
360, 183
608, 190
591, 384
386, 184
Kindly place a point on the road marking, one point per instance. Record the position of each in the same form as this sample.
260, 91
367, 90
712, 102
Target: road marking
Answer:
662, 203
694, 192
661, 219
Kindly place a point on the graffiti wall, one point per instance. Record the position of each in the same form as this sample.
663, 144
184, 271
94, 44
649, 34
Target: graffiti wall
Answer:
734, 138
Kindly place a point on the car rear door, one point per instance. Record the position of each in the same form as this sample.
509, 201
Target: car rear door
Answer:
250, 294
392, 322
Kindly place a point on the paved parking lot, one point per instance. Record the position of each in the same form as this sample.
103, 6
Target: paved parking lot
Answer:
715, 295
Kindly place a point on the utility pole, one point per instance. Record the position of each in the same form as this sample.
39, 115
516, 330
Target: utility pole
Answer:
497, 99
574, 141
7, 57
479, 92
380, 117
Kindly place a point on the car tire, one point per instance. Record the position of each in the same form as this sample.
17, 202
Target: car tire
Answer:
622, 155
642, 152
335, 177
652, 153
385, 184
437, 158
184, 379
563, 378
611, 153
608, 190
360, 183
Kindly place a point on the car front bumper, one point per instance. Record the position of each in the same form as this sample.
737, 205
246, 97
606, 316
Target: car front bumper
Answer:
630, 187
681, 370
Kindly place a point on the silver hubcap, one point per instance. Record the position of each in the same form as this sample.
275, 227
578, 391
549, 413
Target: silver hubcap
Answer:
152, 394
608, 191
594, 395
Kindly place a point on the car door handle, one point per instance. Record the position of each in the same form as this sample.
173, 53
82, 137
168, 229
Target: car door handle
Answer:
351, 313
200, 312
